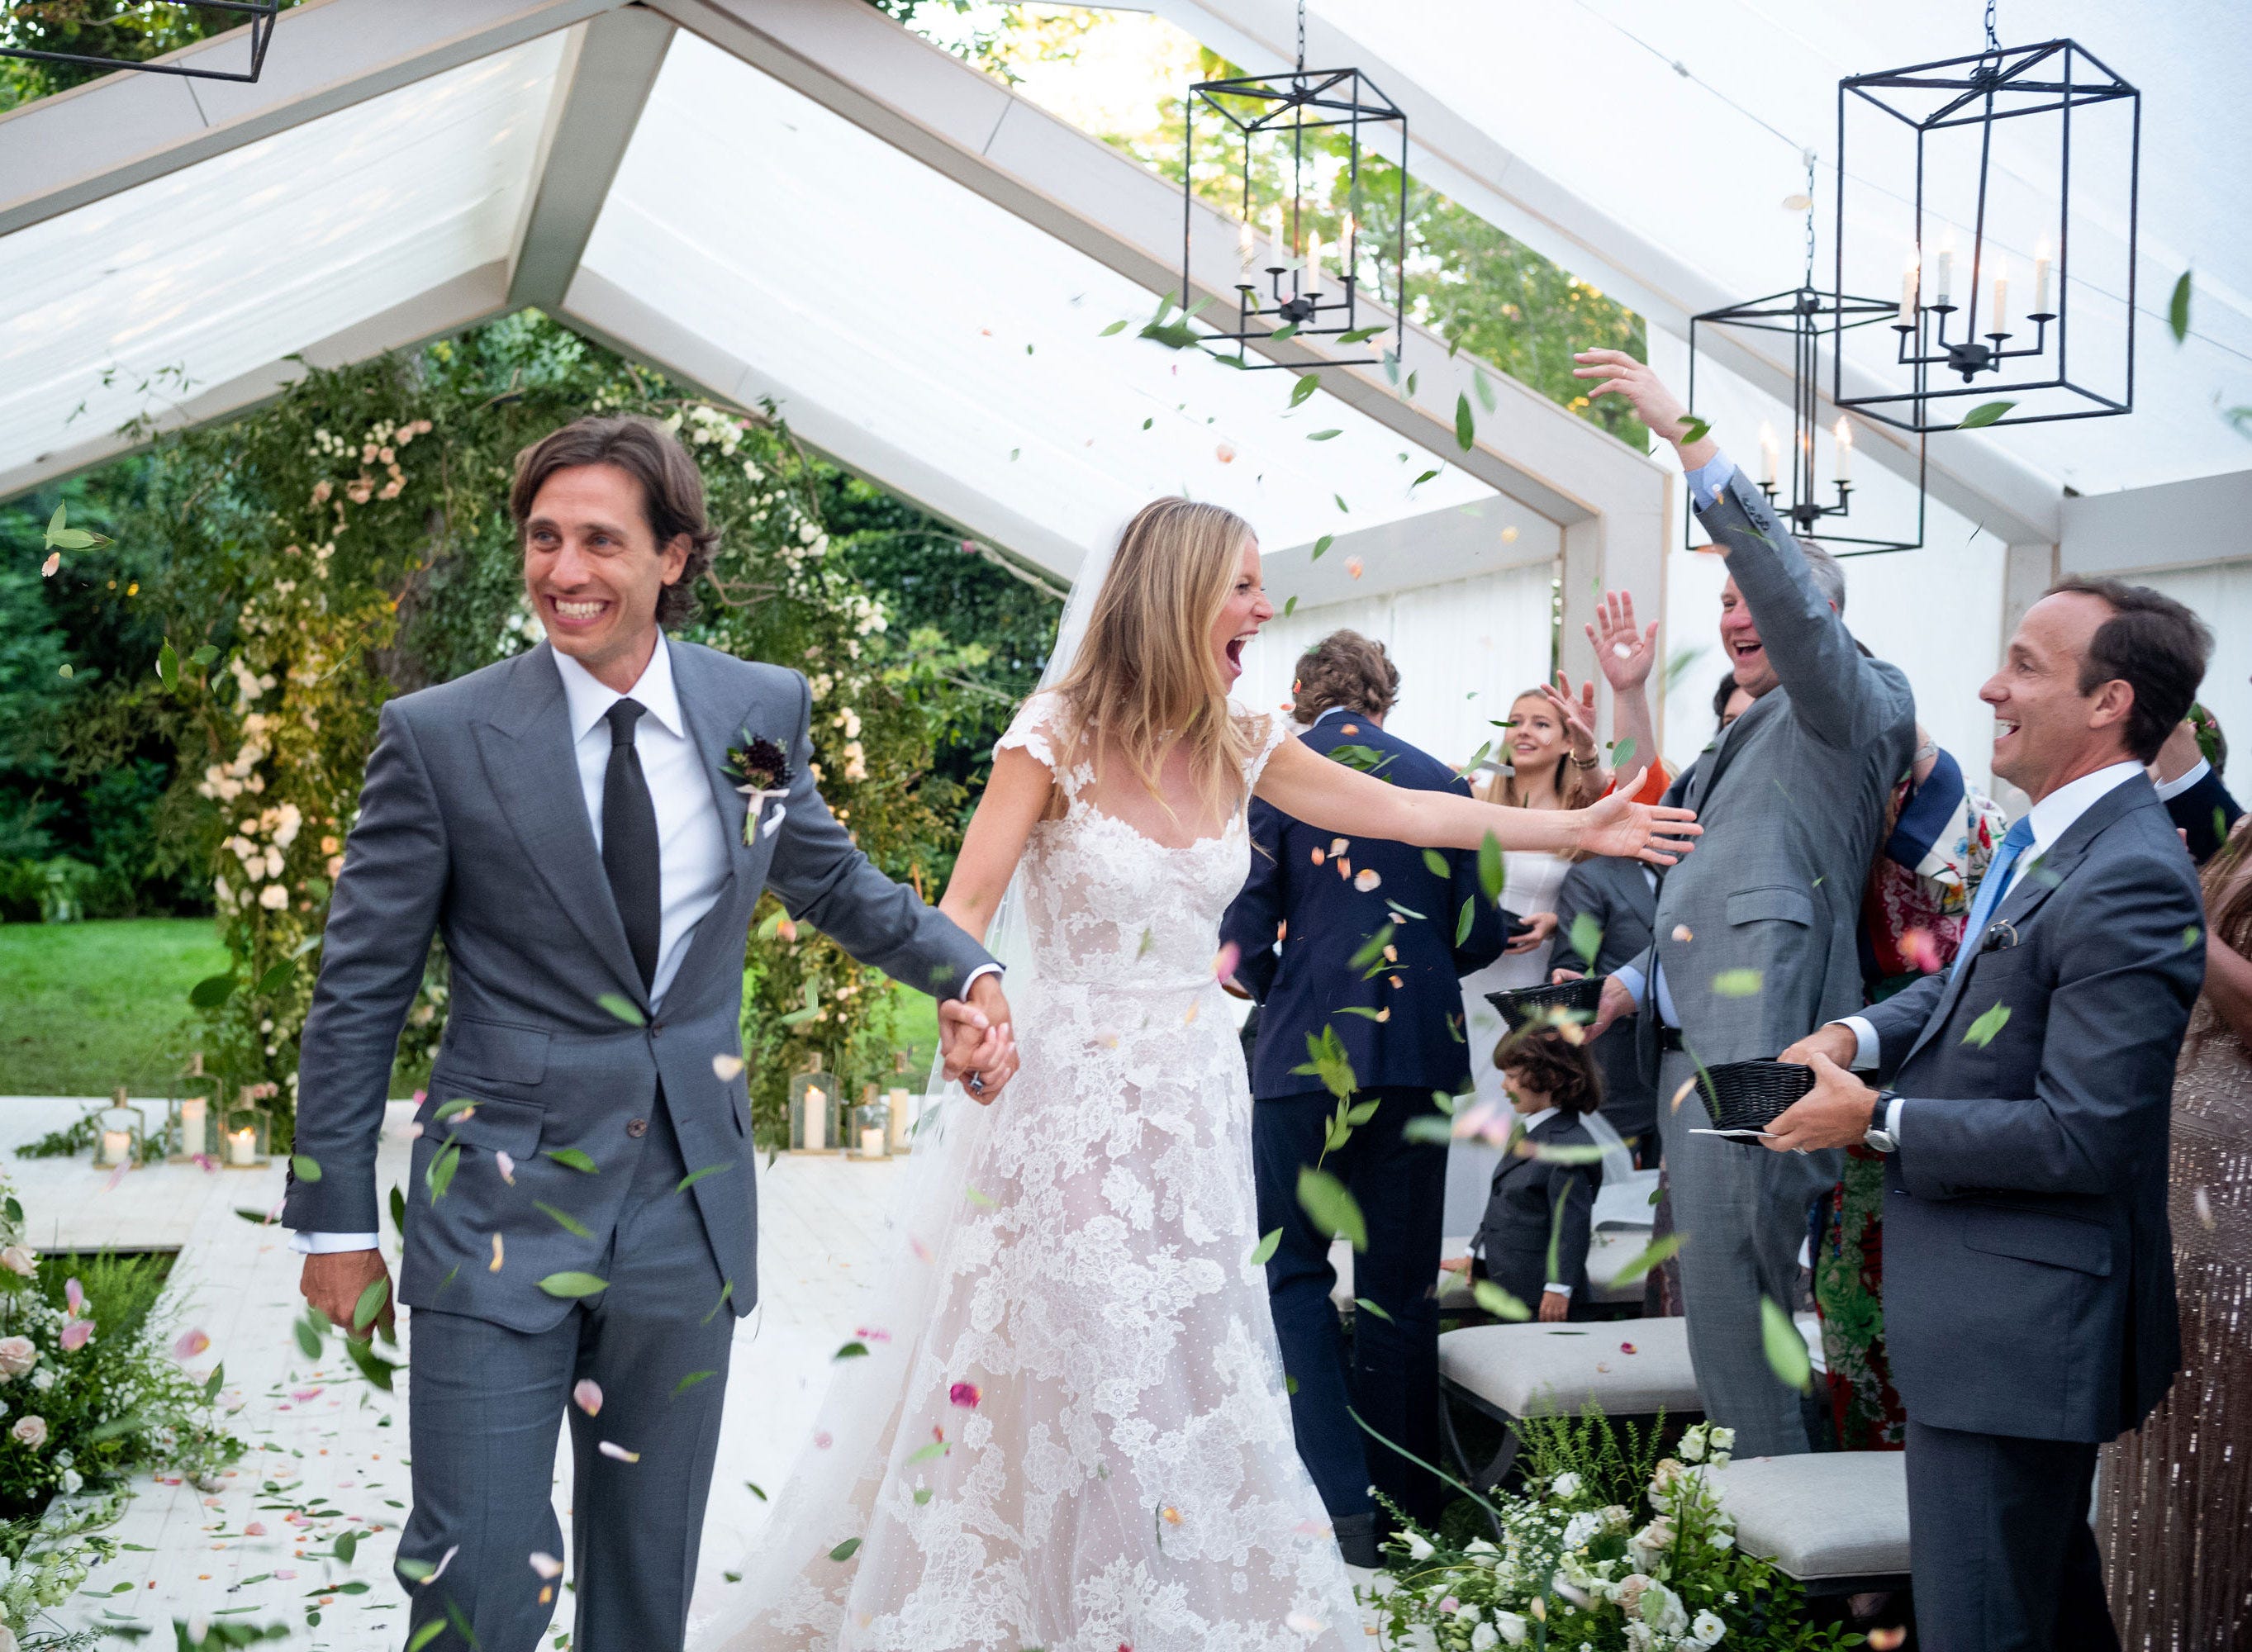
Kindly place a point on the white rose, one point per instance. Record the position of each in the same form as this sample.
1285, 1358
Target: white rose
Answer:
30, 1431
1708, 1628
1511, 1626
1564, 1485
1663, 1611
42, 1380
18, 1355
274, 897
1484, 1636
72, 1481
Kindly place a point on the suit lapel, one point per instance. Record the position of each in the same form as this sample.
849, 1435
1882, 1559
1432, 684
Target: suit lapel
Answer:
2030, 888
1731, 741
533, 763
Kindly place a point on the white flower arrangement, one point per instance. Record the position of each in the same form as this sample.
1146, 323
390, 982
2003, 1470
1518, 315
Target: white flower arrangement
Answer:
1658, 1570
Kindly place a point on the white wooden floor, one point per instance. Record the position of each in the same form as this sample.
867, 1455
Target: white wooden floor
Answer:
327, 1451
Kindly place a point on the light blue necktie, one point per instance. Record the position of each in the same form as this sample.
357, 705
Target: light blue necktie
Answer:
1996, 885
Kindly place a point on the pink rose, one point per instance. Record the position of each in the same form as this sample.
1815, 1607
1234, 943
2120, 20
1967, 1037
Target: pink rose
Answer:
77, 1335
19, 1258
18, 1355
30, 1429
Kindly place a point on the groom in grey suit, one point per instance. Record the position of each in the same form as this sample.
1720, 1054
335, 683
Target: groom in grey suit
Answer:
1754, 944
582, 1207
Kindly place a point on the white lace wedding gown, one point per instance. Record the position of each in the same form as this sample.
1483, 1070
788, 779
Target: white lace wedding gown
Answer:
1073, 1434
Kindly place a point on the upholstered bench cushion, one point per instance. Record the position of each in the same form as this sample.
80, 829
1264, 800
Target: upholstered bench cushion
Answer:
1840, 1514
1534, 1370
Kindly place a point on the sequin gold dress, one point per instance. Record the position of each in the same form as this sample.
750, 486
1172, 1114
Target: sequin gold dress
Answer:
2176, 1504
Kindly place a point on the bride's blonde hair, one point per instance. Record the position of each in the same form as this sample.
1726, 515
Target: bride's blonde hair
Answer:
1144, 674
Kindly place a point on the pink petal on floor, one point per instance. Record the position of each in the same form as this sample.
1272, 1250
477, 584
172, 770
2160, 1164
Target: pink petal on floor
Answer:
255, 1529
189, 1343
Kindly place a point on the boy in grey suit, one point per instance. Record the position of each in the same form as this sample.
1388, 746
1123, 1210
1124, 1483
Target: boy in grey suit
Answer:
582, 1205
2029, 1291
1754, 941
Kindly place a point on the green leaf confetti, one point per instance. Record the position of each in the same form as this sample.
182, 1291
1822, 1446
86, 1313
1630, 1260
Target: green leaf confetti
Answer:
1334, 1209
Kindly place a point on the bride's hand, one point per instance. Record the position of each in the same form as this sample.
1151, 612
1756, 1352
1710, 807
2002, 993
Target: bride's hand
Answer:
1620, 826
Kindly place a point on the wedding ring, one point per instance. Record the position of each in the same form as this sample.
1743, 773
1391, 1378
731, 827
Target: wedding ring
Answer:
977, 1083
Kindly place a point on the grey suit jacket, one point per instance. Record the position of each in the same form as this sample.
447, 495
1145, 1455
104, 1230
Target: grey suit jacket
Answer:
1617, 895
1792, 796
472, 823
2029, 1284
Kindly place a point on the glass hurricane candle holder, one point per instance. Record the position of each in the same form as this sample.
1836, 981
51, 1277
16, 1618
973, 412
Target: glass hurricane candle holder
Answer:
245, 1133
814, 1115
871, 1136
119, 1131
187, 1121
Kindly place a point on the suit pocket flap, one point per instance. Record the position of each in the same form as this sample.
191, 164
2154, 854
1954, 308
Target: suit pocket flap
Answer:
1792, 906
494, 1050
2059, 1241
504, 1127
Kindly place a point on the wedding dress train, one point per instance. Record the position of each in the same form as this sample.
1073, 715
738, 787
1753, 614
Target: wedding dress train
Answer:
1070, 1430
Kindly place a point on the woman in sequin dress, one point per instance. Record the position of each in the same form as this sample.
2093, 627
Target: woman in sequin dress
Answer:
2177, 1536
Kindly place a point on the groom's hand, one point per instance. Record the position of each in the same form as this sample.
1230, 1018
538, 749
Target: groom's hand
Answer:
977, 1040
334, 1281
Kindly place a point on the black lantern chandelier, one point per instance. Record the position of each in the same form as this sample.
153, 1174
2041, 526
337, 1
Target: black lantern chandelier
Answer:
1289, 289
259, 14
1805, 314
2031, 151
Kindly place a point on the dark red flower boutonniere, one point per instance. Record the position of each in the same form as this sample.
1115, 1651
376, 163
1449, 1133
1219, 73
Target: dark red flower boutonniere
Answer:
762, 774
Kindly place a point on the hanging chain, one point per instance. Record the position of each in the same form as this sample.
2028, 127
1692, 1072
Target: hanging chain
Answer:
1992, 43
1301, 31
1809, 155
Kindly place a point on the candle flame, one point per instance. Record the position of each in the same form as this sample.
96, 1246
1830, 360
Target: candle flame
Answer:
1844, 434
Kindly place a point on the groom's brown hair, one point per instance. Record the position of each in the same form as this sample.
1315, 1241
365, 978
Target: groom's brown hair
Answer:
671, 492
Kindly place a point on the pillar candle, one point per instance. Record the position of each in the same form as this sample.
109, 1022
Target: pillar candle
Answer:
817, 1120
897, 1101
116, 1146
193, 1126
872, 1142
242, 1147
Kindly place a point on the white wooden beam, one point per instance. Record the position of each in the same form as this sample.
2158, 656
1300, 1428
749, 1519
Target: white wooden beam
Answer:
474, 296
600, 92
2170, 525
95, 140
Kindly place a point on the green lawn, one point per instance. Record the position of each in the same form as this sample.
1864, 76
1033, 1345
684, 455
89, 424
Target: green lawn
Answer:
84, 1008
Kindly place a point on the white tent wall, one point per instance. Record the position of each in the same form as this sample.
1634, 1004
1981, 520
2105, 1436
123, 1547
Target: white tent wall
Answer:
1464, 649
2222, 592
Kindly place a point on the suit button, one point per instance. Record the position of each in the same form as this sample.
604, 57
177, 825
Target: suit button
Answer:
636, 1128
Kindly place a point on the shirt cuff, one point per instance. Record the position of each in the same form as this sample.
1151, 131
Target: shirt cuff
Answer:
1630, 977
1893, 1119
1706, 480
1557, 1290
1867, 1054
2168, 790
982, 969
323, 1244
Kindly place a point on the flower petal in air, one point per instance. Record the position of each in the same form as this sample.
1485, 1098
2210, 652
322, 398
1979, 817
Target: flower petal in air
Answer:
546, 1566
189, 1343
588, 1396
611, 1449
965, 1395
725, 1067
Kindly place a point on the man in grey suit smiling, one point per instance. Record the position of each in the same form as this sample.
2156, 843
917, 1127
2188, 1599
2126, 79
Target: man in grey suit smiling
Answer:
1754, 944
582, 1207
2029, 1283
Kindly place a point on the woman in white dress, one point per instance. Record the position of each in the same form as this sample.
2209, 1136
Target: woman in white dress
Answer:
1553, 764
1070, 1430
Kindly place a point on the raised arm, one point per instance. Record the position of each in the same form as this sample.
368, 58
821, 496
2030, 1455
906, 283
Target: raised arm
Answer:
1329, 795
1626, 656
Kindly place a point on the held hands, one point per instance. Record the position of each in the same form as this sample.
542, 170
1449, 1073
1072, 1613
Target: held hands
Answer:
1838, 1111
334, 1281
1629, 830
977, 1040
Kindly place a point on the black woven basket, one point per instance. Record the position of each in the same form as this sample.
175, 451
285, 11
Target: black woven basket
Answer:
1534, 1003
1747, 1095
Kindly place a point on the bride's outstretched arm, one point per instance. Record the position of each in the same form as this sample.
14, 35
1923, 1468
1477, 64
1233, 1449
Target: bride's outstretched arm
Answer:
1300, 781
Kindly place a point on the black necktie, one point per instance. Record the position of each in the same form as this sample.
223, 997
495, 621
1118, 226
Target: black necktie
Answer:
630, 850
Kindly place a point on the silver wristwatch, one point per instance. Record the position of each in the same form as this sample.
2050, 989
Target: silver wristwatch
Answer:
1879, 1139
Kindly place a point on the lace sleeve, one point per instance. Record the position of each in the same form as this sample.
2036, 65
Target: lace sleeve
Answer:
1038, 729
1268, 730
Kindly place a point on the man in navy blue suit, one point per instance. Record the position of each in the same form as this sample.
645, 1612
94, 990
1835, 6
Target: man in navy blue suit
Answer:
1311, 905
2024, 1109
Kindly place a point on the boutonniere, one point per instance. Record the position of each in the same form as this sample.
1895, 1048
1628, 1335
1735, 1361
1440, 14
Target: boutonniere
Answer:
759, 772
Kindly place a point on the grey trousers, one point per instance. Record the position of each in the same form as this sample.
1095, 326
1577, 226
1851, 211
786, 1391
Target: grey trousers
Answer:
1741, 1212
484, 1407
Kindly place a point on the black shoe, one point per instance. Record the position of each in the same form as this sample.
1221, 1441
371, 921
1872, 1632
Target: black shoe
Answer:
1356, 1540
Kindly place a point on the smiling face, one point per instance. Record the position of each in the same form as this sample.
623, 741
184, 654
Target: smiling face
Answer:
1740, 640
1245, 610
2047, 732
593, 569
1536, 735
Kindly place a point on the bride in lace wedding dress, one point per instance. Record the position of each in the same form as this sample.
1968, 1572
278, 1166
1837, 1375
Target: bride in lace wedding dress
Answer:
1069, 1429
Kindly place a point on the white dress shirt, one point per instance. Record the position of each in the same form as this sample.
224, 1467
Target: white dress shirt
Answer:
2050, 818
693, 861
